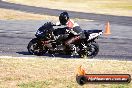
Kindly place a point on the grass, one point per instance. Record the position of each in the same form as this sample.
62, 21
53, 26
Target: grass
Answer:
112, 7
57, 72
18, 15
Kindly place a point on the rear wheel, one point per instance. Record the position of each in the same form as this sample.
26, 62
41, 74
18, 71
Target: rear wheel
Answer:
91, 50
35, 48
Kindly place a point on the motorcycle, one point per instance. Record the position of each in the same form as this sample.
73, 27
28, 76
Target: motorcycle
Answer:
47, 41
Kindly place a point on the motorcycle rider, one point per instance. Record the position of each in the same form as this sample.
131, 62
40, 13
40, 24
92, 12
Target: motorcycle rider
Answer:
72, 27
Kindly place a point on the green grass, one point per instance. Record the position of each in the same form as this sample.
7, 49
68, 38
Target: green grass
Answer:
35, 84
48, 84
120, 86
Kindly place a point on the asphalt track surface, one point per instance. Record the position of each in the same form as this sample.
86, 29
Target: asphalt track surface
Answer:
15, 35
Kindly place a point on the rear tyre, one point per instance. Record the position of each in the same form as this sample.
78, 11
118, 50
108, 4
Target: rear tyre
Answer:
35, 48
93, 49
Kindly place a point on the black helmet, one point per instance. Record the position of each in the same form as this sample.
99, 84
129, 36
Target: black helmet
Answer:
63, 18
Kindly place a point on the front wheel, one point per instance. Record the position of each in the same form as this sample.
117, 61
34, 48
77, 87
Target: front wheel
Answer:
35, 47
91, 50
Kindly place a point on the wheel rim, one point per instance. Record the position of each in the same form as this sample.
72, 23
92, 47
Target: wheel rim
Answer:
91, 50
35, 49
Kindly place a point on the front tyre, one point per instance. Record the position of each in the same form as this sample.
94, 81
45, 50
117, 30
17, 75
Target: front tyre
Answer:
35, 47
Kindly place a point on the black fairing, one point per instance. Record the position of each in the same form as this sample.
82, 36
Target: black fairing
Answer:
60, 31
44, 30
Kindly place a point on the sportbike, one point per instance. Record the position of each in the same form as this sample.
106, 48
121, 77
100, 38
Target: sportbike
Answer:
47, 41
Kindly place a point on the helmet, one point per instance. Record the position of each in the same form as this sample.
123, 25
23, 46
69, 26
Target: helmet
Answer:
63, 18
